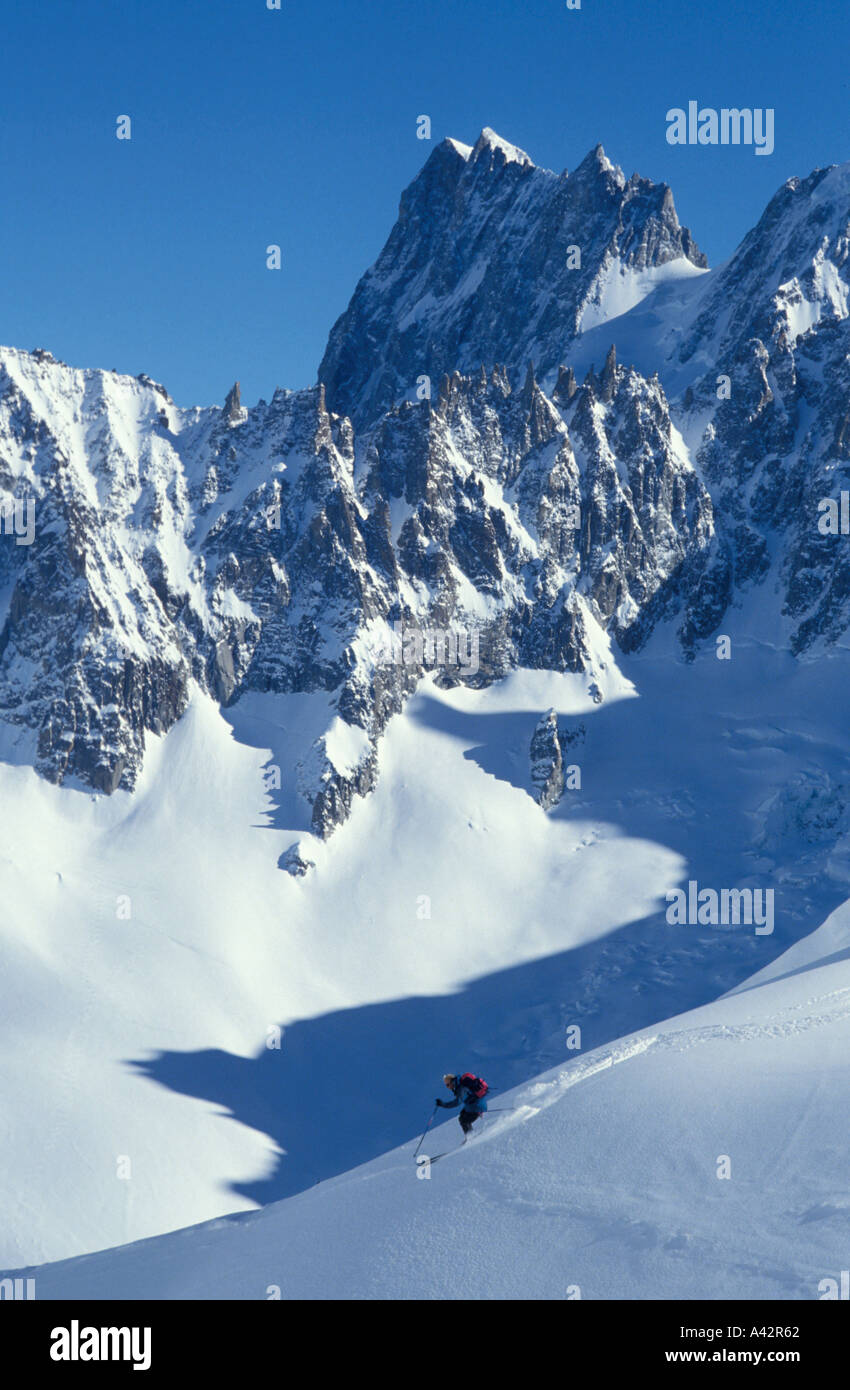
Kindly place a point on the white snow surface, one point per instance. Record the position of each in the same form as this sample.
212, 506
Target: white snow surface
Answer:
602, 1181
154, 956
160, 921
619, 288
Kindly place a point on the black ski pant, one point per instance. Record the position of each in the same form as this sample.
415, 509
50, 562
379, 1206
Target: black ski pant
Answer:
468, 1118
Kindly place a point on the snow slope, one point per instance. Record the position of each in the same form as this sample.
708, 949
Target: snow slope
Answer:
604, 1181
145, 1038
161, 924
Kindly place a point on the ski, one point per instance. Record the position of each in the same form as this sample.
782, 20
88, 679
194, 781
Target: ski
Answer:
432, 1158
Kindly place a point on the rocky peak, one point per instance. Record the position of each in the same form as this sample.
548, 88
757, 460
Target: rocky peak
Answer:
566, 385
494, 152
232, 411
483, 234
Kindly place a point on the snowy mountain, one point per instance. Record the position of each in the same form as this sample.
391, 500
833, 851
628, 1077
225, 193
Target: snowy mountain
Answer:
275, 550
754, 360
258, 552
166, 556
494, 260
472, 631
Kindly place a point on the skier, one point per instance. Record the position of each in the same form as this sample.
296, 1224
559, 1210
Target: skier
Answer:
469, 1092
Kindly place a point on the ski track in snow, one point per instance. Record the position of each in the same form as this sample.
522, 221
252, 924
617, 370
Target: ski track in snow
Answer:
546, 1093
543, 1094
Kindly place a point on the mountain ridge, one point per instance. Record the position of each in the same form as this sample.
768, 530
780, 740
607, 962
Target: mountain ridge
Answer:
474, 231
276, 548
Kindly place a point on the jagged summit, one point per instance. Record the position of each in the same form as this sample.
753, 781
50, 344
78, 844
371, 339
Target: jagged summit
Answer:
495, 259
596, 162
233, 404
457, 146
489, 143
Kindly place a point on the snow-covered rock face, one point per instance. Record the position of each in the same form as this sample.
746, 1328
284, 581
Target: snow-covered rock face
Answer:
247, 551
527, 518
481, 266
224, 547
765, 350
511, 517
88, 657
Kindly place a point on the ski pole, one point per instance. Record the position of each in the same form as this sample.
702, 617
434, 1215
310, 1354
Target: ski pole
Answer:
425, 1131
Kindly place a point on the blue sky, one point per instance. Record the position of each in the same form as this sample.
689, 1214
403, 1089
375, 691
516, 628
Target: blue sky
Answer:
298, 127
